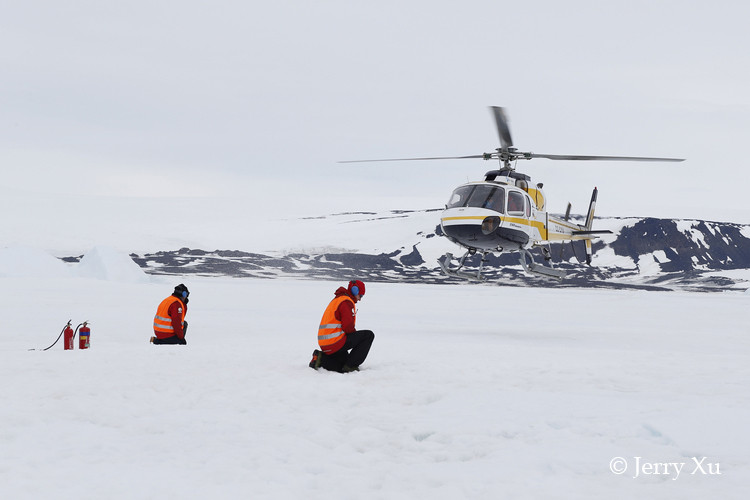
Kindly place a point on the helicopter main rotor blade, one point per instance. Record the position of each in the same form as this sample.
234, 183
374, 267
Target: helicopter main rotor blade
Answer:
502, 126
602, 158
412, 159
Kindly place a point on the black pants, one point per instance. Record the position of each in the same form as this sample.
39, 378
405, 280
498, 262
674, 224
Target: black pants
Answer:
174, 339
353, 353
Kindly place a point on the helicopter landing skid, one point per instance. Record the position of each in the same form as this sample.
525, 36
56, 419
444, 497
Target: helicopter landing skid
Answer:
533, 267
457, 272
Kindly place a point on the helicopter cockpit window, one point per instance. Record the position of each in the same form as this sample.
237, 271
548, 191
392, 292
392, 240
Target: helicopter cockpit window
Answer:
515, 203
490, 197
459, 197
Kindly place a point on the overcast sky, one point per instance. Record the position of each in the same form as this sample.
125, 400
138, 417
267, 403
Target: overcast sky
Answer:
227, 98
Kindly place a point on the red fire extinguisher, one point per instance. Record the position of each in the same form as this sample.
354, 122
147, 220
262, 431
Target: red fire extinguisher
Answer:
68, 337
83, 336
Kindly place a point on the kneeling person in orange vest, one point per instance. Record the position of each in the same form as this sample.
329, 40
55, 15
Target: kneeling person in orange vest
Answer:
169, 323
342, 347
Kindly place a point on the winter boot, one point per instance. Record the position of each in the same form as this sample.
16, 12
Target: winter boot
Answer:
317, 358
348, 369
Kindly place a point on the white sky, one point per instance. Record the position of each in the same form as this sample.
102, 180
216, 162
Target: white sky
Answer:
216, 98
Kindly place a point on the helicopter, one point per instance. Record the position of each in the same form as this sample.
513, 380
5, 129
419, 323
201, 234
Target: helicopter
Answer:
506, 212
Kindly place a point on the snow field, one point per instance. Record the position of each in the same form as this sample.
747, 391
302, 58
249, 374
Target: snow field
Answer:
469, 392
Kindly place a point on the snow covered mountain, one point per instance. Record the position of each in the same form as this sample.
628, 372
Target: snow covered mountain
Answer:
403, 246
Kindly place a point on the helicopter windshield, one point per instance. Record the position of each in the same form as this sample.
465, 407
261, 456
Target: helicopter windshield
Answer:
479, 196
460, 197
490, 197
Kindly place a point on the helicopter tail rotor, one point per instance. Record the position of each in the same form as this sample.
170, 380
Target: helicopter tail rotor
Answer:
567, 216
589, 223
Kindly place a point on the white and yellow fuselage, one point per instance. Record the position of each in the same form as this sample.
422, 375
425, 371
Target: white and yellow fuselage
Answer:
500, 216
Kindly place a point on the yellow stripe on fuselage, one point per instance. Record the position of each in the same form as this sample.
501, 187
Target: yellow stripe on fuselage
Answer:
466, 217
517, 220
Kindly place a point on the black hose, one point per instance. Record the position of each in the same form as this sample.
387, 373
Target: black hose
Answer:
58, 337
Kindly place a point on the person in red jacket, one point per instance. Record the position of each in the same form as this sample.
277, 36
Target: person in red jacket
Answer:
342, 347
169, 322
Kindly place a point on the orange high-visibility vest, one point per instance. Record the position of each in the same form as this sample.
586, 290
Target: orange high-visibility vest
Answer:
330, 334
162, 320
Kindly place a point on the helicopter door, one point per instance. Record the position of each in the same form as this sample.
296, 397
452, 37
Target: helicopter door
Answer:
516, 203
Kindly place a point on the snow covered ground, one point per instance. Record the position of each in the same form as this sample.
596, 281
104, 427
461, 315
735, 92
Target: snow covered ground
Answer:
470, 391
